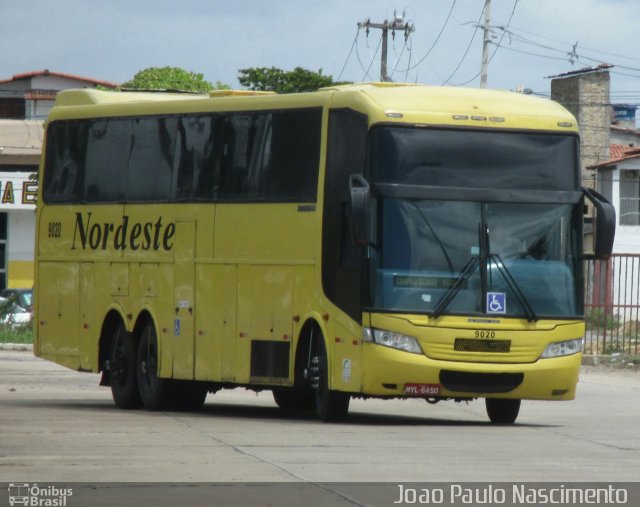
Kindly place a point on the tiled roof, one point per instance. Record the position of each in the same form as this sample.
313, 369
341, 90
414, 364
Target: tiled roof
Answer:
619, 153
47, 72
625, 130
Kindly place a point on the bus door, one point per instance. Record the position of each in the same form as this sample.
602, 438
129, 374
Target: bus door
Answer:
184, 300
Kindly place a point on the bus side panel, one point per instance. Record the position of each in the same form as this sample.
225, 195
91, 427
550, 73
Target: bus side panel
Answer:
58, 312
265, 324
215, 322
89, 329
184, 300
345, 346
163, 311
257, 238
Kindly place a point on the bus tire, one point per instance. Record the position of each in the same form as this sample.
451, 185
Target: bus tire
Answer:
501, 411
331, 406
122, 369
295, 398
155, 392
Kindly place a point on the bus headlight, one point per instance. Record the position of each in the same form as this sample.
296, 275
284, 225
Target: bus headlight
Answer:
566, 348
391, 339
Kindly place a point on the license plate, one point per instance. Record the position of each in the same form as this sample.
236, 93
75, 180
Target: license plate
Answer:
422, 389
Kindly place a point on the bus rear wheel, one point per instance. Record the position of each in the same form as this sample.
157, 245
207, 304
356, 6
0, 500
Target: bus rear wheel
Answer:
331, 406
502, 411
122, 369
155, 392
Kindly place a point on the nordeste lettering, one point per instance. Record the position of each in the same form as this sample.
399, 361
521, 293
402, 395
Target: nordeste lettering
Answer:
125, 235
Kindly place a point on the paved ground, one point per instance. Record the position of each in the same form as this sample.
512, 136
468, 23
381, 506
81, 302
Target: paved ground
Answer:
58, 425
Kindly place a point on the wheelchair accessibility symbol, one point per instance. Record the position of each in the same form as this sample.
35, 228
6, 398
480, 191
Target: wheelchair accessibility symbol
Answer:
496, 302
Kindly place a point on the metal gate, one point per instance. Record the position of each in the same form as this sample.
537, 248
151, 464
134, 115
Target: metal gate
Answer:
612, 305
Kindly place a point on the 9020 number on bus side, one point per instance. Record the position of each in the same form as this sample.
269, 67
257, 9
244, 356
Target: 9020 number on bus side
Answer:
55, 229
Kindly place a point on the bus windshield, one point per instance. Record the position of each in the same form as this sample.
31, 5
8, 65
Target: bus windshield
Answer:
456, 255
473, 158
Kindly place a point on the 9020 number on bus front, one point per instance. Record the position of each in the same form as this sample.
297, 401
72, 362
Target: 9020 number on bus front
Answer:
486, 335
55, 229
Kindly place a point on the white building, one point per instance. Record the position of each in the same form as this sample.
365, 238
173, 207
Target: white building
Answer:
619, 181
25, 101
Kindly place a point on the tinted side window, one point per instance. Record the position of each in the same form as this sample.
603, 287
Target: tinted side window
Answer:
294, 156
151, 159
242, 162
65, 161
245, 157
341, 263
108, 148
198, 154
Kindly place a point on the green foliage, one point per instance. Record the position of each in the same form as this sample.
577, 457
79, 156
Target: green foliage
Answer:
597, 319
22, 333
282, 81
13, 333
613, 348
170, 78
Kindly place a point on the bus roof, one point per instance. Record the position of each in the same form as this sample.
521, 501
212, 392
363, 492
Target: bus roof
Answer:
382, 102
442, 105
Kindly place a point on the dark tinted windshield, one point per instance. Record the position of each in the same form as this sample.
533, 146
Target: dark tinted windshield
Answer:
470, 158
425, 246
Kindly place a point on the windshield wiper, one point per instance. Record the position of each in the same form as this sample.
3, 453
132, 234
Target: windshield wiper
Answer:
484, 261
435, 236
469, 268
511, 282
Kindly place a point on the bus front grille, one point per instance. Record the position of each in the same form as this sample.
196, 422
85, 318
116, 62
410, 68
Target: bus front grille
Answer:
474, 345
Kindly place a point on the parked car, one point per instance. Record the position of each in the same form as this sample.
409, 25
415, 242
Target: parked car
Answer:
22, 297
12, 314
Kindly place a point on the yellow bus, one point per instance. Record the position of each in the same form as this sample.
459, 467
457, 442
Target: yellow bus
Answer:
369, 240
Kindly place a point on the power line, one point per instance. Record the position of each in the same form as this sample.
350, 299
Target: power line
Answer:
397, 24
433, 45
373, 58
530, 53
475, 31
366, 70
515, 4
355, 41
569, 44
572, 55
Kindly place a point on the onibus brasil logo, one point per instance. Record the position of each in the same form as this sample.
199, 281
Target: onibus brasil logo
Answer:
23, 493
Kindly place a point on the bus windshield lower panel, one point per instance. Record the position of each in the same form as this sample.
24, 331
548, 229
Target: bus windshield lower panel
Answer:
477, 258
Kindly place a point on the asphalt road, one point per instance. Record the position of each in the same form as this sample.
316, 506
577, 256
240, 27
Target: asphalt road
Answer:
59, 425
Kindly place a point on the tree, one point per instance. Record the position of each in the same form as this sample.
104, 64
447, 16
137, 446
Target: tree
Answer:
171, 78
282, 81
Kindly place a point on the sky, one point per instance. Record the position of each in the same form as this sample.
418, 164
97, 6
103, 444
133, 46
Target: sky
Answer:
111, 40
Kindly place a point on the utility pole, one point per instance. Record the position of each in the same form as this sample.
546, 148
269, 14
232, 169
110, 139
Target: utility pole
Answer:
397, 24
485, 44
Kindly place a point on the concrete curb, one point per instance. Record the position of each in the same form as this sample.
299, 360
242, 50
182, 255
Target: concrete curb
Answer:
17, 346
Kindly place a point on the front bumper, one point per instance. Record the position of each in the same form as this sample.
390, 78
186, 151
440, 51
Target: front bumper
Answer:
387, 372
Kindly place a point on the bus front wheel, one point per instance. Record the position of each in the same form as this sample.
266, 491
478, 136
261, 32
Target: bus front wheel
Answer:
331, 406
122, 369
502, 411
154, 392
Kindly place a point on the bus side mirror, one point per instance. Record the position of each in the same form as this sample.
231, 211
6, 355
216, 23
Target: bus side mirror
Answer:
604, 226
360, 209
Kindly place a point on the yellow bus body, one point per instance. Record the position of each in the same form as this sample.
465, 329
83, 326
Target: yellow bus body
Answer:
228, 274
